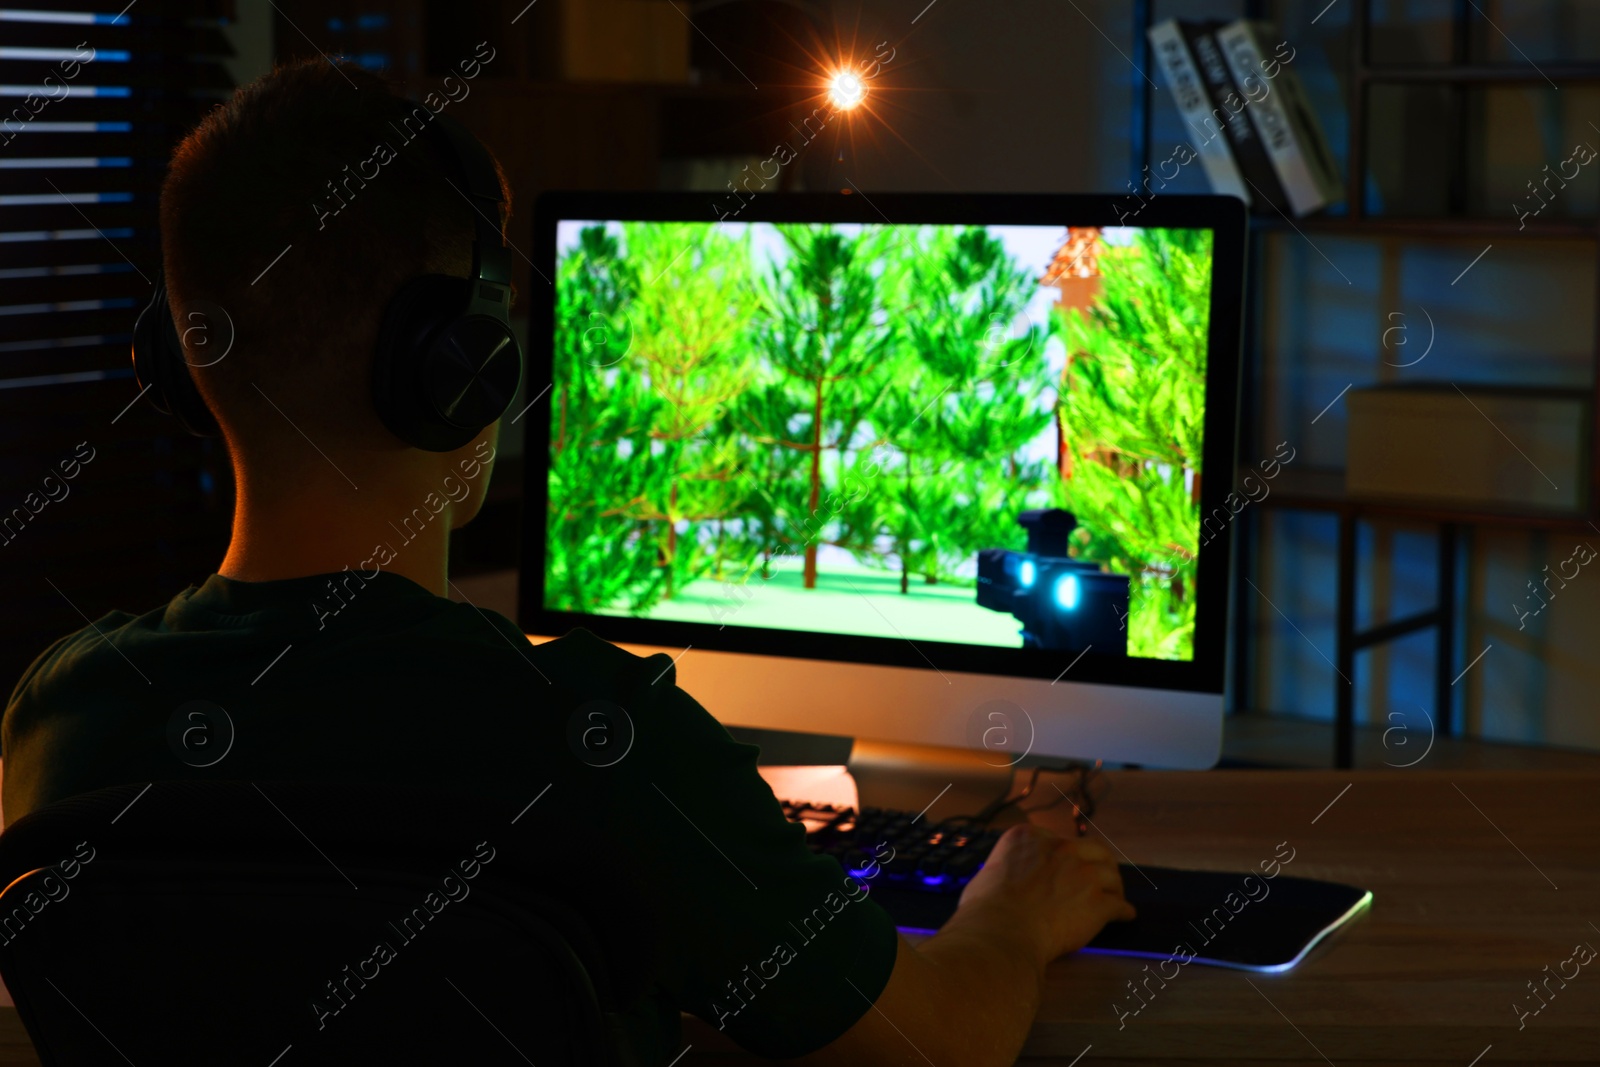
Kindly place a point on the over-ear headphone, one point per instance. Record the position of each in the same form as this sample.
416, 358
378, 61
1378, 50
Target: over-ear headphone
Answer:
447, 362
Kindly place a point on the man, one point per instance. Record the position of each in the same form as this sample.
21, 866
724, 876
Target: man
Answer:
327, 637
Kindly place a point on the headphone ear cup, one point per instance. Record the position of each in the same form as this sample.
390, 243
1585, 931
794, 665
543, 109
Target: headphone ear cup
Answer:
159, 365
440, 376
473, 371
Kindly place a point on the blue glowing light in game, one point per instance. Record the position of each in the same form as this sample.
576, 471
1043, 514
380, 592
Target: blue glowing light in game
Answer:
1067, 592
1026, 573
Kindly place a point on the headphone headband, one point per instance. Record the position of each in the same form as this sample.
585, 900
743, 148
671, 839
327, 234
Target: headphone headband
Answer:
491, 261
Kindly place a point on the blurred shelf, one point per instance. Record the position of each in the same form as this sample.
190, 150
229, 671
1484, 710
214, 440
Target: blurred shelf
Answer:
1441, 227
1322, 489
1257, 739
1482, 73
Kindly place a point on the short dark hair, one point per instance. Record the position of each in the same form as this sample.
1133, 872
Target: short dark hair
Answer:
324, 159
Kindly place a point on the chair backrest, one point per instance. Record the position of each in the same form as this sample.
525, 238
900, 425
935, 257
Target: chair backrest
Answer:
293, 923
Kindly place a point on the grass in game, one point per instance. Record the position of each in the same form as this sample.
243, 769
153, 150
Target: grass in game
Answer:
847, 600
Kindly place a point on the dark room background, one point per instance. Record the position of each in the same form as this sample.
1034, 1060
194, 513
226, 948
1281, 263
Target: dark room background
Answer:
1024, 95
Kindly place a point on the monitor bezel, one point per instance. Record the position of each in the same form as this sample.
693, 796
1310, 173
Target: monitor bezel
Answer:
1224, 216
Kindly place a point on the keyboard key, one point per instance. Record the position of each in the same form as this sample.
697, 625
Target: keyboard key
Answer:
933, 858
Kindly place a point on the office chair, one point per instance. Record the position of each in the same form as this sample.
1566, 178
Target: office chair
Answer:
238, 922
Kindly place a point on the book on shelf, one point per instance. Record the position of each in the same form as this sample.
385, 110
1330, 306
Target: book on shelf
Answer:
1183, 78
1251, 123
1226, 114
1283, 116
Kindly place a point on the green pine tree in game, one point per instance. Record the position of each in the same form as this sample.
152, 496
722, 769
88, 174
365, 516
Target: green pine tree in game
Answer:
1133, 416
821, 327
979, 393
771, 482
601, 457
689, 306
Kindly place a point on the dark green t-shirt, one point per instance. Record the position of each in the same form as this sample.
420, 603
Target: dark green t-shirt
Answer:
401, 687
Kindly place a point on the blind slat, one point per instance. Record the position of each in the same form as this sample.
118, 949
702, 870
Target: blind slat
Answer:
139, 179
92, 249
61, 363
43, 142
171, 113
51, 325
113, 284
56, 213
143, 13
181, 78
127, 36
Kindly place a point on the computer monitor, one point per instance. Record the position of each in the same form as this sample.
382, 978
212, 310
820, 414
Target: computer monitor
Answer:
929, 469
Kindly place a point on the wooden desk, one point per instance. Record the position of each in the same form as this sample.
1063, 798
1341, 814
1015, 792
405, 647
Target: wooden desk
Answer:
1462, 919
15, 1048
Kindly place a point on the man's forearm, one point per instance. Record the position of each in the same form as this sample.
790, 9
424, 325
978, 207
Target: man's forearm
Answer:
965, 997
987, 969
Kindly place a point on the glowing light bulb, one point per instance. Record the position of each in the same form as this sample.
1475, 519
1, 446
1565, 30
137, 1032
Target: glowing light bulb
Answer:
1067, 592
846, 90
1026, 573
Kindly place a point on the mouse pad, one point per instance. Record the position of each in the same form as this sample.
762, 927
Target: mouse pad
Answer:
1220, 918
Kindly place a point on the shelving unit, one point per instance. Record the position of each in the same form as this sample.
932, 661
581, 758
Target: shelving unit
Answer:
1323, 491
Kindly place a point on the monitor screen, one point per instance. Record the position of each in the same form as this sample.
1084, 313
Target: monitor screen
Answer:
984, 441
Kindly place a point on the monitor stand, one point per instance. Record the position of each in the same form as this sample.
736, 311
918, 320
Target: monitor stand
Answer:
941, 782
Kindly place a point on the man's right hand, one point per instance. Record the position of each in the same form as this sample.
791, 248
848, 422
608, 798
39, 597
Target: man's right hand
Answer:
1059, 891
1038, 896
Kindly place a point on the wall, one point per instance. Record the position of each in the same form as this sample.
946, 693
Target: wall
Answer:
1017, 96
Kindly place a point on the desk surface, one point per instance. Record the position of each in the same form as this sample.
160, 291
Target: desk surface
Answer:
1465, 913
1481, 880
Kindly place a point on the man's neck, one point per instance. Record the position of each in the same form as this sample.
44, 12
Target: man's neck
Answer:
325, 526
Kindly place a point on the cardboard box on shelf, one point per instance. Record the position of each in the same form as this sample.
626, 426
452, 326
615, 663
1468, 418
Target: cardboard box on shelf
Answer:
1503, 448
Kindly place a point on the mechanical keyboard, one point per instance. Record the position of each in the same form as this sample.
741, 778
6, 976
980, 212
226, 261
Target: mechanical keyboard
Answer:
1216, 915
937, 858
